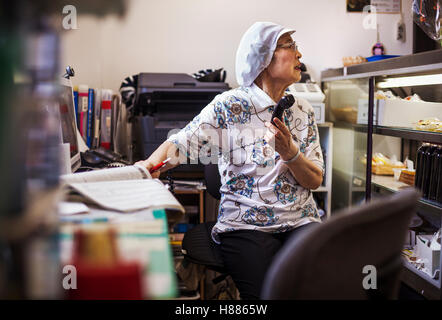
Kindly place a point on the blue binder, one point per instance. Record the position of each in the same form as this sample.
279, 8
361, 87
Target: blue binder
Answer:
90, 112
76, 107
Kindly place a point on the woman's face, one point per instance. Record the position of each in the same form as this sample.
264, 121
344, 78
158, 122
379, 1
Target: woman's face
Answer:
285, 65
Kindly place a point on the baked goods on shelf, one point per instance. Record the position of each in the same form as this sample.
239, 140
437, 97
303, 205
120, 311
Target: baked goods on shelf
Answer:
383, 165
347, 114
407, 176
429, 124
350, 61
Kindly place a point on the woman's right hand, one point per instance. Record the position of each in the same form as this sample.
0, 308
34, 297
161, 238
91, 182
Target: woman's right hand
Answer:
148, 165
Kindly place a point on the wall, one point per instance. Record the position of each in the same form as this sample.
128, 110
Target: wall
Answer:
187, 36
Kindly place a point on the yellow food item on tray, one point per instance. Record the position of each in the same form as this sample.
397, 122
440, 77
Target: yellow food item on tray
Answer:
407, 176
382, 165
429, 124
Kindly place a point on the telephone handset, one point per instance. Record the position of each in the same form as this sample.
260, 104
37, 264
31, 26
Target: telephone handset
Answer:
283, 104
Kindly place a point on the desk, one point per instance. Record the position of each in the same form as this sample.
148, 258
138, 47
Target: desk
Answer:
141, 236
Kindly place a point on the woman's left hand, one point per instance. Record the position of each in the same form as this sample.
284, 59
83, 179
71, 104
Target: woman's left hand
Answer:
284, 143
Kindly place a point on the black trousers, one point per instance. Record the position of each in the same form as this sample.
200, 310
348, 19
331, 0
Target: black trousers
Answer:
247, 255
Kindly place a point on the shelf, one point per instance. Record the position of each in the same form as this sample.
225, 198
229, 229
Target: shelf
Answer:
421, 274
187, 191
430, 207
405, 133
410, 134
388, 183
420, 281
418, 62
321, 189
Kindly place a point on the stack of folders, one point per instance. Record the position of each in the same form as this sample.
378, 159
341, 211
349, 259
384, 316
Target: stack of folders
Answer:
97, 112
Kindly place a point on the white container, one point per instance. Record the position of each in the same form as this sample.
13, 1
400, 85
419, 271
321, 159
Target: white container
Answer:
363, 112
430, 257
397, 173
398, 112
403, 113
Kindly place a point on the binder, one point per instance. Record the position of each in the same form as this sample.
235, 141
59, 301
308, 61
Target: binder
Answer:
106, 118
96, 119
82, 110
115, 112
90, 108
76, 105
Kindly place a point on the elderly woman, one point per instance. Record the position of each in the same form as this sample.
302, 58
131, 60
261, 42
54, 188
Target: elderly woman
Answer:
267, 170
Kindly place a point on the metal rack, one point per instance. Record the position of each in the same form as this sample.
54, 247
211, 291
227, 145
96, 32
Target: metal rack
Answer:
422, 63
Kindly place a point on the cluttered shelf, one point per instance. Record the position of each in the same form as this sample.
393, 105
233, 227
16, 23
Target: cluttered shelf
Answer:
420, 281
401, 132
423, 275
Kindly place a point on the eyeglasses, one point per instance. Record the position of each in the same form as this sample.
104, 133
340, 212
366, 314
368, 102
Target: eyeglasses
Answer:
291, 45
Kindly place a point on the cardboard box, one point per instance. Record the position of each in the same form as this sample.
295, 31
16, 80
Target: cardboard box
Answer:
430, 257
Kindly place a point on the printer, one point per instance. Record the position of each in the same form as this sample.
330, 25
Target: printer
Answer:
166, 101
310, 91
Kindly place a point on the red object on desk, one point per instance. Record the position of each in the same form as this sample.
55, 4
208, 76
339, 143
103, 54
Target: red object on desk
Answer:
119, 281
159, 165
100, 274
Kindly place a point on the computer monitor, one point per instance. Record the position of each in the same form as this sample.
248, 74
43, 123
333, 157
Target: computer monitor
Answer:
69, 122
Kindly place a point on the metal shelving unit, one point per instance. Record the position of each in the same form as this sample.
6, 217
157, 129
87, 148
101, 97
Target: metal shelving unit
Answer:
404, 133
417, 64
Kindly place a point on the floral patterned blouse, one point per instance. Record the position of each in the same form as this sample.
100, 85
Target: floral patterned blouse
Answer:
258, 190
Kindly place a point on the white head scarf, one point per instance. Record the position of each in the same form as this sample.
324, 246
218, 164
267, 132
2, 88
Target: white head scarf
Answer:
256, 49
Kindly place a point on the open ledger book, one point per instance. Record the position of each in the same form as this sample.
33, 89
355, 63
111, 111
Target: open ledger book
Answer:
124, 189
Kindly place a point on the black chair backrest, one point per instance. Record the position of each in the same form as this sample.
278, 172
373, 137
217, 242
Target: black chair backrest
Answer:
328, 261
213, 180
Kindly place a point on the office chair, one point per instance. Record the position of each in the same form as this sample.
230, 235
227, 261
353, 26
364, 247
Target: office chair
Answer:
198, 246
328, 261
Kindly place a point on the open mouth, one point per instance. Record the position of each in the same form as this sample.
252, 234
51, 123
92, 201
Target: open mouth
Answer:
298, 68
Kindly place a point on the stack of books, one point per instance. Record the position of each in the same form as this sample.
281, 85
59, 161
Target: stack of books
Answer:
97, 112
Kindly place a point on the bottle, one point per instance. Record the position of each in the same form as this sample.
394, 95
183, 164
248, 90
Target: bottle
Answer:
435, 173
427, 170
419, 165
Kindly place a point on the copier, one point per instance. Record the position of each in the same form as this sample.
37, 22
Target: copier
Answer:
166, 101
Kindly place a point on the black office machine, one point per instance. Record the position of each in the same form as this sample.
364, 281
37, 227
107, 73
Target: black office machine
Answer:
166, 101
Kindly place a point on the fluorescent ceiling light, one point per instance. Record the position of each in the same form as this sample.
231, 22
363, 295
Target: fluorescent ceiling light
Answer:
411, 81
